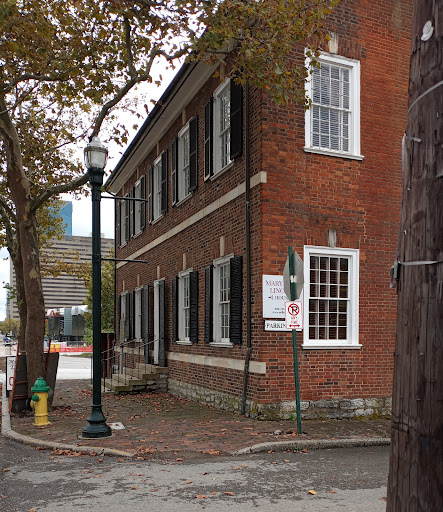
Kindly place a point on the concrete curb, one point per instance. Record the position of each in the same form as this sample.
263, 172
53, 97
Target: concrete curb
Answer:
21, 438
313, 444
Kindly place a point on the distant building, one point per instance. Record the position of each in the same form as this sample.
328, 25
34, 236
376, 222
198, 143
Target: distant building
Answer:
66, 215
63, 291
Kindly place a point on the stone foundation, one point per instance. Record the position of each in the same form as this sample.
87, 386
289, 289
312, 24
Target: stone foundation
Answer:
336, 408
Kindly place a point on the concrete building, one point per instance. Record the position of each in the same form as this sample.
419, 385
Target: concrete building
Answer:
64, 291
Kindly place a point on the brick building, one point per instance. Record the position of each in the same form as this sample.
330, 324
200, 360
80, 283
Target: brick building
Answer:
326, 182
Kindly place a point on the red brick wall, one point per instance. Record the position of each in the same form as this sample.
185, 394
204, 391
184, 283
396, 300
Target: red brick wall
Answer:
305, 195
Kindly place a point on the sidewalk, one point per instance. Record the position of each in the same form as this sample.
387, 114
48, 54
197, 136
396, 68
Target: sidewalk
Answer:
161, 426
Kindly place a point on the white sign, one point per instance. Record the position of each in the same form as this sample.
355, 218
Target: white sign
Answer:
294, 315
275, 325
10, 370
274, 297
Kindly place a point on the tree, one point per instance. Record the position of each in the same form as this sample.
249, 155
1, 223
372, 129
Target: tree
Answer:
416, 459
65, 65
9, 325
108, 299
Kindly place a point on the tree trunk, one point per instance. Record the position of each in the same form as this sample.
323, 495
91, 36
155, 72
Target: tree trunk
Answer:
26, 230
416, 460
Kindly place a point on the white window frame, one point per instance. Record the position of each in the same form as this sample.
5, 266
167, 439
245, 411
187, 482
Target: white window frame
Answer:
352, 340
183, 167
184, 310
138, 313
157, 189
137, 207
354, 108
218, 339
222, 132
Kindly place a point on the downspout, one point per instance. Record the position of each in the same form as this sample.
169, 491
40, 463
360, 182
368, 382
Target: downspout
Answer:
248, 248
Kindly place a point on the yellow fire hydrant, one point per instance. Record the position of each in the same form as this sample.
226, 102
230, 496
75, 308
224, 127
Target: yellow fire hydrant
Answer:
39, 402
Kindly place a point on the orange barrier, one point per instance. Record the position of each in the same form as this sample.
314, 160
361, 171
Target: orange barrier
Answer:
55, 348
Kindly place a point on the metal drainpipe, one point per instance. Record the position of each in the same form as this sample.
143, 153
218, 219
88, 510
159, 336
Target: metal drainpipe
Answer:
248, 249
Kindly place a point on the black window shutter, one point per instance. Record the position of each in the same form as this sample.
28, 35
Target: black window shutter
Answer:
164, 171
174, 167
143, 203
209, 136
127, 223
150, 193
162, 340
119, 224
236, 120
193, 307
208, 302
235, 310
174, 296
193, 154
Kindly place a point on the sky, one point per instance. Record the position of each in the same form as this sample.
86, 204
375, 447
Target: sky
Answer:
82, 209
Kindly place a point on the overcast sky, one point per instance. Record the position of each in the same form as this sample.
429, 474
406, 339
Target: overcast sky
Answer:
82, 210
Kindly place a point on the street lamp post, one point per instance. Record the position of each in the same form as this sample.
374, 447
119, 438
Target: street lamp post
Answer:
96, 156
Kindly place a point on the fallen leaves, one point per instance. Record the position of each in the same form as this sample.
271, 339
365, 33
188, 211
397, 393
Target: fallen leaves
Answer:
211, 452
311, 491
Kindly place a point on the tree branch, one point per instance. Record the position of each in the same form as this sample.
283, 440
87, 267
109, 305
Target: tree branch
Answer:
58, 189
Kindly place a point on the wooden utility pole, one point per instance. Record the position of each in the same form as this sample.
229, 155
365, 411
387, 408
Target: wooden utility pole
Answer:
416, 460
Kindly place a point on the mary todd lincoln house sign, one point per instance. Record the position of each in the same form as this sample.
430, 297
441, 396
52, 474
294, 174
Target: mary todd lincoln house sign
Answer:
274, 297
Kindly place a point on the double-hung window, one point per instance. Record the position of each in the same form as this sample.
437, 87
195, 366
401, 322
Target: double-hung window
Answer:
184, 162
158, 189
223, 127
138, 313
332, 123
223, 301
138, 207
330, 298
185, 307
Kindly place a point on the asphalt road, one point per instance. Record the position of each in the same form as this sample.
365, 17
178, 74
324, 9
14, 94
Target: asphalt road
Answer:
345, 480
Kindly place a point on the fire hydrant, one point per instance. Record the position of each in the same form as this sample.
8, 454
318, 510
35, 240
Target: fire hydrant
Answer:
39, 402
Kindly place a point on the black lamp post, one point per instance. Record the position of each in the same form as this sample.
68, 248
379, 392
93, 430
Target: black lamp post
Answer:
96, 156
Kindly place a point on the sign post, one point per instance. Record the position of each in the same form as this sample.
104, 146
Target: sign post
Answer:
293, 311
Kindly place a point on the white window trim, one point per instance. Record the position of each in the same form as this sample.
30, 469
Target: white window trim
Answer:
180, 313
355, 129
353, 339
217, 145
156, 194
222, 342
180, 169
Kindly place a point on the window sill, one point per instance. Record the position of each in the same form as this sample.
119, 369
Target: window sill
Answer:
157, 219
325, 346
179, 203
333, 153
183, 342
221, 344
222, 171
137, 234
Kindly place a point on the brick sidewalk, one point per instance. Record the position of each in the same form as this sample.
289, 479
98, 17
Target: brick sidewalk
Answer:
164, 426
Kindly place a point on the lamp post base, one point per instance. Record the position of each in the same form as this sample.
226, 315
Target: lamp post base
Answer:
97, 424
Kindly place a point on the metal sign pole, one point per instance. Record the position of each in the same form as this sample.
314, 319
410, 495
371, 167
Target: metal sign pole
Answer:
293, 289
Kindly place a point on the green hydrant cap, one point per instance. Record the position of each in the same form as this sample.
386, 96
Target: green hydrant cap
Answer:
40, 386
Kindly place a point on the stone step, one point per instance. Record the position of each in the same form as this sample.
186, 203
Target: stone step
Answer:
130, 380
116, 386
140, 374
